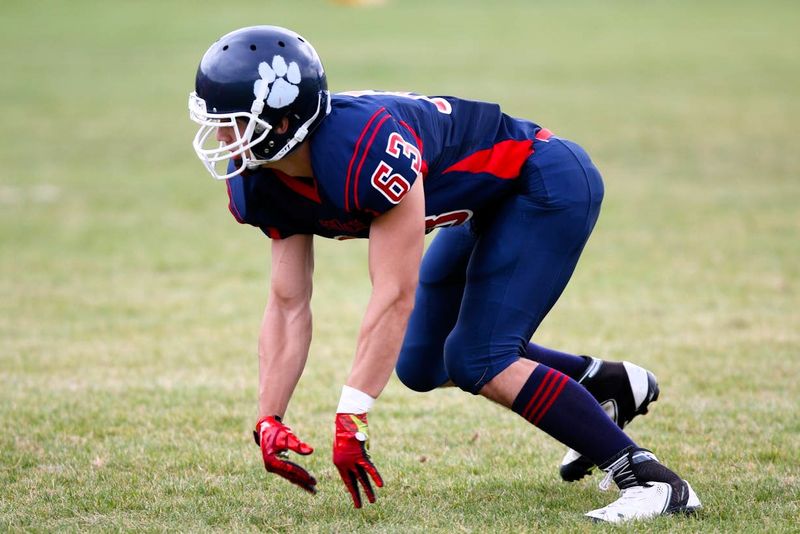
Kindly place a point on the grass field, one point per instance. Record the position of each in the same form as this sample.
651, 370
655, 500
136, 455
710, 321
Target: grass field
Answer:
130, 299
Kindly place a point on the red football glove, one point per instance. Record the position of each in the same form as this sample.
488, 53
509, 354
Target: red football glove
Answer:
276, 439
350, 455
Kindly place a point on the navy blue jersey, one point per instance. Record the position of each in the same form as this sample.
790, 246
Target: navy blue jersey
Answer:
371, 149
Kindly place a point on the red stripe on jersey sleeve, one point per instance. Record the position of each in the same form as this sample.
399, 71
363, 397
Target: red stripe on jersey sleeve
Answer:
503, 160
418, 139
273, 232
364, 156
355, 154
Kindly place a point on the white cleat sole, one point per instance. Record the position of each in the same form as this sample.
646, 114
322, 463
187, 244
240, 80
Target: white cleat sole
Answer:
645, 502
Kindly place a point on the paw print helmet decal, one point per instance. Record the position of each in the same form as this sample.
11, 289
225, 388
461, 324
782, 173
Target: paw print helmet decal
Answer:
278, 81
251, 80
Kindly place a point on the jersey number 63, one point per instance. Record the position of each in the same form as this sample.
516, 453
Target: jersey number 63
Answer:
393, 185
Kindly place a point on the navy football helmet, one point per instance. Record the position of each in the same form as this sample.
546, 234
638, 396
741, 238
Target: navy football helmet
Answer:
250, 80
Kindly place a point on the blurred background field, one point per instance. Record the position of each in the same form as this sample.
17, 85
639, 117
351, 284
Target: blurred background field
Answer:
130, 299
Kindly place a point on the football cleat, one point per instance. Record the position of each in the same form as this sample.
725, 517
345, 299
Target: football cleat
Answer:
647, 489
624, 390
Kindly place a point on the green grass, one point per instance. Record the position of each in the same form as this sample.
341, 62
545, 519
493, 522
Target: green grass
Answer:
130, 299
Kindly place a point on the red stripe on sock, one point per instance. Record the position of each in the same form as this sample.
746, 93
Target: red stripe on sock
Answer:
545, 398
553, 397
539, 389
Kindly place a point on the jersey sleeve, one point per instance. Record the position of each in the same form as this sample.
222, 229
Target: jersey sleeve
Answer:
386, 162
249, 202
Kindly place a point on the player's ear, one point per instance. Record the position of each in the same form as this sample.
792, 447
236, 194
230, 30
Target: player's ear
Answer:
283, 126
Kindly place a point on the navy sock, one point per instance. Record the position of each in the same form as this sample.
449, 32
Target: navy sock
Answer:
566, 411
569, 364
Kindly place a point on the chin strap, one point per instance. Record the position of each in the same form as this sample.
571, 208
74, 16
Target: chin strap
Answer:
301, 133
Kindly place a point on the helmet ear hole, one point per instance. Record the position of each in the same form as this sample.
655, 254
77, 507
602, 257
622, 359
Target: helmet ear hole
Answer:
253, 47
283, 125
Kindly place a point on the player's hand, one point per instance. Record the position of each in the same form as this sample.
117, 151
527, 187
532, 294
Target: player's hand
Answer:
276, 439
350, 456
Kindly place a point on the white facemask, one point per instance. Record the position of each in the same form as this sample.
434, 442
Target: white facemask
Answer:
215, 157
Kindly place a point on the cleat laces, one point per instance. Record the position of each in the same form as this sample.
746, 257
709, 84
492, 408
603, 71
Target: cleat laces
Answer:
605, 484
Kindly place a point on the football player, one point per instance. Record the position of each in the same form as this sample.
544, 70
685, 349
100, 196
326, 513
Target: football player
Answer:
515, 204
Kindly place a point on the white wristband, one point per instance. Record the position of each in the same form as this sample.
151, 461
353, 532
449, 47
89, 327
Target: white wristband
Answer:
354, 401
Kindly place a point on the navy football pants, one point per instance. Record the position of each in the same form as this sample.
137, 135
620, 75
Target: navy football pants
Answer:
482, 295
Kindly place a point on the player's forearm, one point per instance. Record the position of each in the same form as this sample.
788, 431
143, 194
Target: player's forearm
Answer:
396, 241
282, 350
380, 340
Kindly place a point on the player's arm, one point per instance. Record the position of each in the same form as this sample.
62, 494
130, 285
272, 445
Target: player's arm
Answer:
282, 351
286, 326
396, 242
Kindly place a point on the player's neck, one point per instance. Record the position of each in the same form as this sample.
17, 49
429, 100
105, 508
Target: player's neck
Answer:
297, 163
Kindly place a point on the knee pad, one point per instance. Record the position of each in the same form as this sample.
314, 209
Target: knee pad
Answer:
471, 363
415, 376
464, 365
